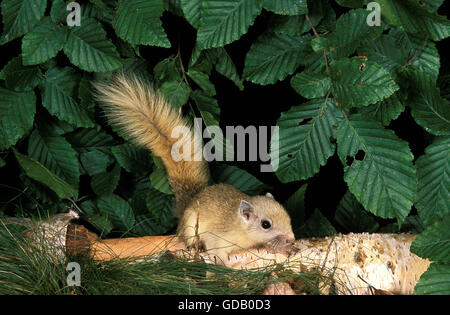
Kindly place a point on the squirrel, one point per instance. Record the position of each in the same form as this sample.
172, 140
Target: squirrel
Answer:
219, 217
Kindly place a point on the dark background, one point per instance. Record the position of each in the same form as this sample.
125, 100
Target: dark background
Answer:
256, 105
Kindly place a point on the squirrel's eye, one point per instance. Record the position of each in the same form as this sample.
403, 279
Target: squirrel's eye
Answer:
265, 224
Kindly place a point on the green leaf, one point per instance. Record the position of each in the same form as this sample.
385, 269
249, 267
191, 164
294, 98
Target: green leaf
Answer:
290, 25
224, 21
100, 222
138, 22
245, 182
191, 10
106, 182
2, 162
43, 42
384, 111
60, 88
40, 173
202, 80
226, 67
358, 83
117, 210
295, 206
343, 42
56, 154
16, 115
95, 162
351, 3
305, 139
160, 181
378, 167
20, 16
286, 7
317, 225
160, 207
91, 139
428, 108
411, 16
433, 172
21, 78
311, 84
352, 217
434, 242
399, 50
88, 48
58, 11
436, 280
132, 158
272, 57
176, 92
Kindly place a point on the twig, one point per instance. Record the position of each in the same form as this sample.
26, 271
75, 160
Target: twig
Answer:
317, 36
418, 52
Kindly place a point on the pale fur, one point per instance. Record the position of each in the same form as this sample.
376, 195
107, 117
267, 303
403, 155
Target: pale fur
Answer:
148, 119
209, 214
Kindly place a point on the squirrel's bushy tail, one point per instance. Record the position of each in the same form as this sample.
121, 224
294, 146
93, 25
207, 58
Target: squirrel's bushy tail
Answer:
147, 118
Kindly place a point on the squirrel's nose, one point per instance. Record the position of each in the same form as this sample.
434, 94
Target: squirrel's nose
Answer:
285, 239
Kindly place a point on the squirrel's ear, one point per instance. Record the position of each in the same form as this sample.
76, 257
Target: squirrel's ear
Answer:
269, 195
246, 210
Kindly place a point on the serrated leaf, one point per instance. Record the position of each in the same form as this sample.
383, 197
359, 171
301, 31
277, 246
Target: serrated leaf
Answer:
160, 206
16, 115
224, 21
40, 173
132, 158
428, 108
20, 16
59, 97
95, 162
433, 173
305, 139
272, 57
117, 210
90, 139
317, 225
414, 18
176, 92
351, 3
106, 182
21, 78
242, 180
160, 181
378, 167
56, 154
290, 25
311, 84
434, 242
202, 80
343, 42
43, 42
191, 10
384, 111
100, 222
138, 22
358, 83
352, 217
436, 280
295, 206
227, 68
399, 50
88, 48
58, 11
286, 7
